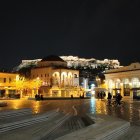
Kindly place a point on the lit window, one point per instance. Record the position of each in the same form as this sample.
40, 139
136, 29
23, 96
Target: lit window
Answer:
135, 83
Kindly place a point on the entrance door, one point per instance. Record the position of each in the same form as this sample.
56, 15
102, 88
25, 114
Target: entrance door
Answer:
2, 93
136, 94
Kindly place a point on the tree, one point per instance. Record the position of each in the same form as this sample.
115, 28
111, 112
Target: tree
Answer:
23, 85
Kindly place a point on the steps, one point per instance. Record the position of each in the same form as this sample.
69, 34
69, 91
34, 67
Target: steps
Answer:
26, 122
113, 132
103, 129
70, 124
133, 133
15, 113
73, 123
53, 129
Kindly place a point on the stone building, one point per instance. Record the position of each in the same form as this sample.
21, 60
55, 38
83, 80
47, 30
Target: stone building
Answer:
57, 79
7, 84
125, 80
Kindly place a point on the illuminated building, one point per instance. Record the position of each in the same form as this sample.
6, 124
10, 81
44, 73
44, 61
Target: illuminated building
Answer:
8, 84
125, 80
57, 79
74, 62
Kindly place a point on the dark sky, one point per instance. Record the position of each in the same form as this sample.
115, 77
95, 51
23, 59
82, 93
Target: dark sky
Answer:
87, 28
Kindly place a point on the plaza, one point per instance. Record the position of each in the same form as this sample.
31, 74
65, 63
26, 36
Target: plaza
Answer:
94, 108
70, 70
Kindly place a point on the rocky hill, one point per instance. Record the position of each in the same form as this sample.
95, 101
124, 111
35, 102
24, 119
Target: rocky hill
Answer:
74, 62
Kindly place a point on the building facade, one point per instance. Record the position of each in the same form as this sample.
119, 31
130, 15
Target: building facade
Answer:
125, 80
8, 84
57, 79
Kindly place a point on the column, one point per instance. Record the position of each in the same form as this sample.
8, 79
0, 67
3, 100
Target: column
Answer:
122, 89
6, 92
32, 93
59, 93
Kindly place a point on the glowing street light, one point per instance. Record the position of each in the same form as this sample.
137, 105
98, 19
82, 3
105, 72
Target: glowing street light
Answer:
98, 80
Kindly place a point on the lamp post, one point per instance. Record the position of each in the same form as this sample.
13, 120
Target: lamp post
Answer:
98, 80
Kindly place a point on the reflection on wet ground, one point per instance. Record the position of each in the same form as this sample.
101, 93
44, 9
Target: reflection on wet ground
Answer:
129, 111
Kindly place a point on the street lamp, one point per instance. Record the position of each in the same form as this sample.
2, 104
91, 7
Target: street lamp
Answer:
98, 80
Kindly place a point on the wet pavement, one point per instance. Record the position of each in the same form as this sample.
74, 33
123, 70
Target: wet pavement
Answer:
78, 109
129, 111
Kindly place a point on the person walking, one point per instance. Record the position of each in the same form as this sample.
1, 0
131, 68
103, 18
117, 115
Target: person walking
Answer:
118, 99
109, 98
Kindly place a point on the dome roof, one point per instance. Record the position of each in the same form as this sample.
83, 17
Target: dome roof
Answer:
52, 58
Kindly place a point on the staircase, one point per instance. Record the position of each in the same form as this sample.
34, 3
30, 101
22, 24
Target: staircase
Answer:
105, 128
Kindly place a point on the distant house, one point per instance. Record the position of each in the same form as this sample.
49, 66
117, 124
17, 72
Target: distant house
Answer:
125, 80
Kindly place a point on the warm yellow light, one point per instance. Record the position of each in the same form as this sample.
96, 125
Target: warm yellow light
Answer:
37, 78
130, 84
17, 77
121, 84
113, 84
37, 107
64, 73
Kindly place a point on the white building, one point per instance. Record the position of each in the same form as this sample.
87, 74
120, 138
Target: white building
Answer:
56, 77
125, 80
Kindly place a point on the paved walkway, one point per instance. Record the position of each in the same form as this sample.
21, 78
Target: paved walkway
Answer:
96, 109
129, 111
132, 134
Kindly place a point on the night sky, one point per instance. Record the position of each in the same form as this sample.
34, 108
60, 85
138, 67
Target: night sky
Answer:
85, 28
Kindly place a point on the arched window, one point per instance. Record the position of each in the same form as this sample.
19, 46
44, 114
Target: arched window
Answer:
126, 86
110, 83
126, 83
117, 83
135, 83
